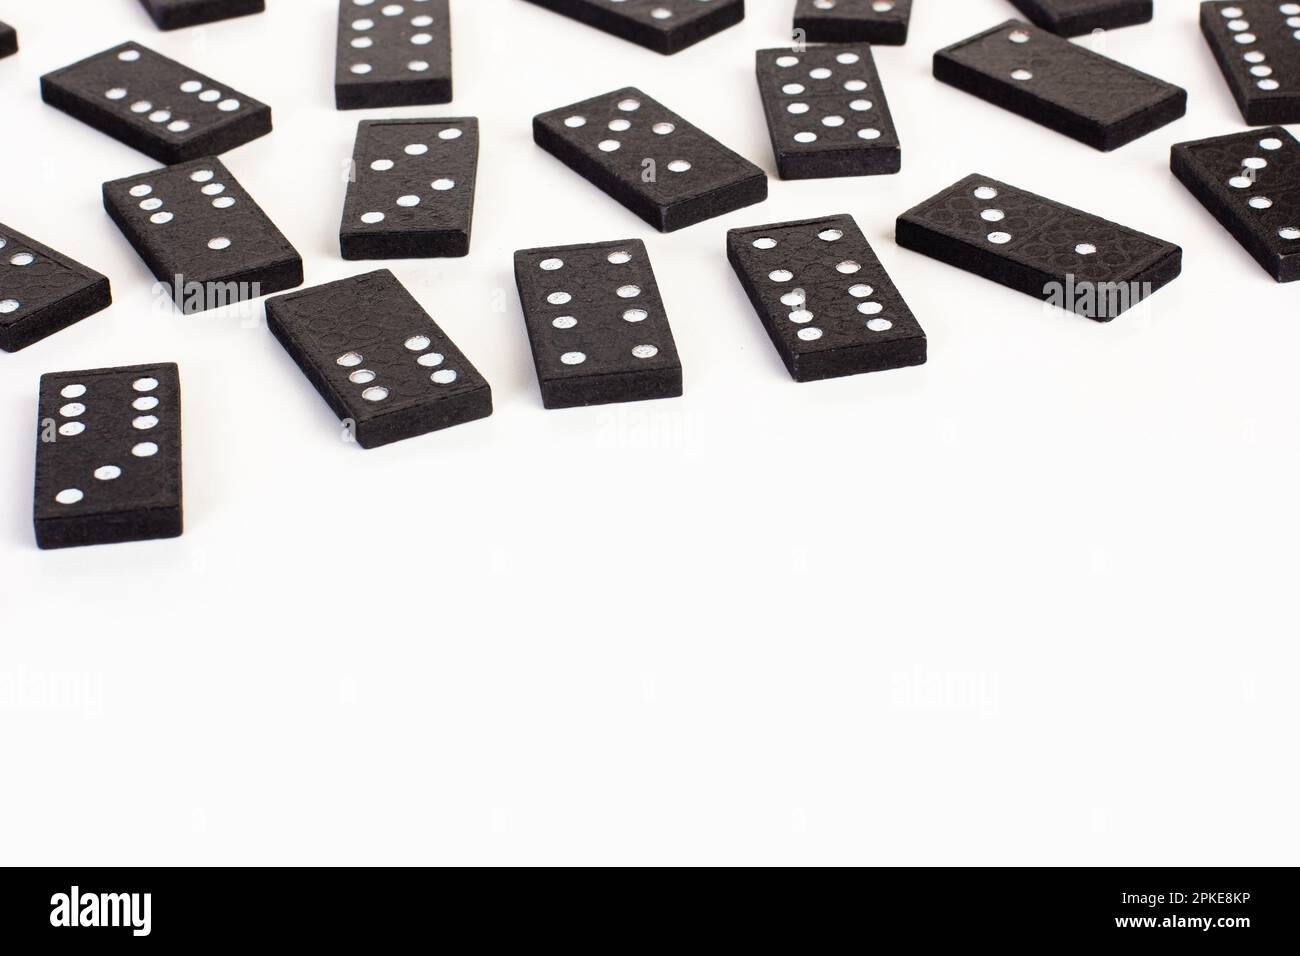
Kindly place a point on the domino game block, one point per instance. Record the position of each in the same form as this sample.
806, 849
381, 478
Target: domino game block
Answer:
202, 236
1079, 262
1257, 46
156, 105
1060, 85
826, 301
43, 291
597, 324
1072, 18
392, 54
667, 171
175, 14
377, 358
883, 22
665, 26
108, 456
412, 189
1250, 182
8, 40
826, 112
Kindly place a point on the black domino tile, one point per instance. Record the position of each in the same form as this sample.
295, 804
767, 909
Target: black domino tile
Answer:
597, 325
883, 22
377, 358
8, 40
411, 193
1250, 182
108, 456
1072, 18
1060, 85
175, 14
826, 301
392, 54
665, 26
202, 235
43, 291
826, 112
669, 172
1257, 46
1051, 251
156, 105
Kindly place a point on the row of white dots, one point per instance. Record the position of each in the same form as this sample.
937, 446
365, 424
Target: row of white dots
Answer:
1239, 29
797, 299
378, 393
73, 410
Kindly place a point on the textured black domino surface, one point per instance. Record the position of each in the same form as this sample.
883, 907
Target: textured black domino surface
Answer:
8, 40
1257, 45
378, 359
1060, 84
883, 22
665, 26
620, 140
202, 235
392, 54
175, 14
156, 105
1042, 248
108, 456
42, 291
1250, 182
823, 296
826, 112
1072, 18
412, 189
597, 324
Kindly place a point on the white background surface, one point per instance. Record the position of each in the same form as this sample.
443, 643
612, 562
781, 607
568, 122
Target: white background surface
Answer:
1030, 603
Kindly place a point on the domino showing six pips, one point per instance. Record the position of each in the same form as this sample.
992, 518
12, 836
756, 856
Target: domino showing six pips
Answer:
108, 461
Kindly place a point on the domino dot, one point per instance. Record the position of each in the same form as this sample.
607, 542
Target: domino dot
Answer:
794, 298
992, 215
179, 126
1254, 162
144, 422
71, 429
422, 39
629, 106
191, 86
376, 393
202, 175
444, 376
573, 358
645, 351
69, 496
141, 106
22, 259
628, 291
362, 43
860, 291
879, 325
129, 56
564, 322
141, 190
810, 334
1018, 36
360, 68
210, 96
145, 403
1021, 75
805, 137
635, 315
1260, 202
1240, 182
619, 257
870, 308
573, 122
442, 185
999, 238
218, 243
362, 376
861, 106
765, 243
797, 108
986, 192
416, 149
1085, 249
417, 66
108, 472
550, 265
609, 145
848, 267
450, 132
382, 165
559, 298
213, 189
847, 58
800, 316
72, 410
422, 21
780, 275
1289, 233
855, 86
370, 218
830, 235
869, 133
145, 384
785, 62
349, 359
679, 166
73, 391
9, 305
663, 129
1270, 143
620, 125
408, 201
429, 359
821, 73
228, 106
418, 343
146, 449
225, 202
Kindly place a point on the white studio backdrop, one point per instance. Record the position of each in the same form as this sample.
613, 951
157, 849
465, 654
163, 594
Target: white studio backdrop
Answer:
1032, 602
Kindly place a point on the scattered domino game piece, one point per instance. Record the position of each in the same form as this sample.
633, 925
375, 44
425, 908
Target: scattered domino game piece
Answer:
1079, 262
377, 358
1257, 46
156, 105
202, 236
175, 14
597, 324
664, 169
1250, 182
1060, 85
8, 40
108, 456
1072, 18
392, 54
665, 26
826, 112
823, 296
883, 22
411, 194
43, 291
